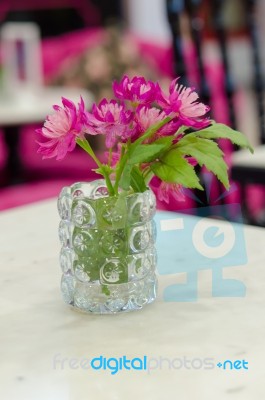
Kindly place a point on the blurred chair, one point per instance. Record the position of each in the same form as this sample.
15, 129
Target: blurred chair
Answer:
250, 169
213, 76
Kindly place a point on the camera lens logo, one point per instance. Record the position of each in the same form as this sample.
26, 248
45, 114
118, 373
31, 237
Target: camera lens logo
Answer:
189, 244
213, 239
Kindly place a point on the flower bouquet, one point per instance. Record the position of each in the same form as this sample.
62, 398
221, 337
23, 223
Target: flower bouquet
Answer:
107, 232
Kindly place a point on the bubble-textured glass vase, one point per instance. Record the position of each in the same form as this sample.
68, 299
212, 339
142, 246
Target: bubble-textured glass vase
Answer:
108, 255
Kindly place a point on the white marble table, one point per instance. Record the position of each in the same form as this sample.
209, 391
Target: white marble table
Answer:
37, 327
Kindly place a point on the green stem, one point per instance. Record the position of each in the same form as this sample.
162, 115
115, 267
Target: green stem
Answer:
109, 185
110, 157
148, 177
145, 171
88, 149
123, 159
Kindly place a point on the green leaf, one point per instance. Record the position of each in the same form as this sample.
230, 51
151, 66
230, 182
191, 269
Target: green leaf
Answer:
103, 170
137, 180
221, 131
98, 171
207, 153
145, 153
165, 140
84, 144
174, 168
182, 129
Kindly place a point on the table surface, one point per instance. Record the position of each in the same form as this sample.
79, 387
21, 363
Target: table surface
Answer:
34, 106
38, 330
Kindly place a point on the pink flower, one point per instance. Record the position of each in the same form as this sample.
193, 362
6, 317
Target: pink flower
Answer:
146, 117
182, 103
61, 129
110, 119
137, 90
166, 189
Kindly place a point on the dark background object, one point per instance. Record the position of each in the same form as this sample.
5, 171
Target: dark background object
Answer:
59, 19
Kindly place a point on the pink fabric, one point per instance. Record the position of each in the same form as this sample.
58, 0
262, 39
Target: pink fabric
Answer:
19, 195
77, 165
59, 50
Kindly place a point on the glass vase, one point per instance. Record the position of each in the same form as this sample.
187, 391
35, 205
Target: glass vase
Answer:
108, 255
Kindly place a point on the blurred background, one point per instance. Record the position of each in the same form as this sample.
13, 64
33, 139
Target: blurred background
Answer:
67, 47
